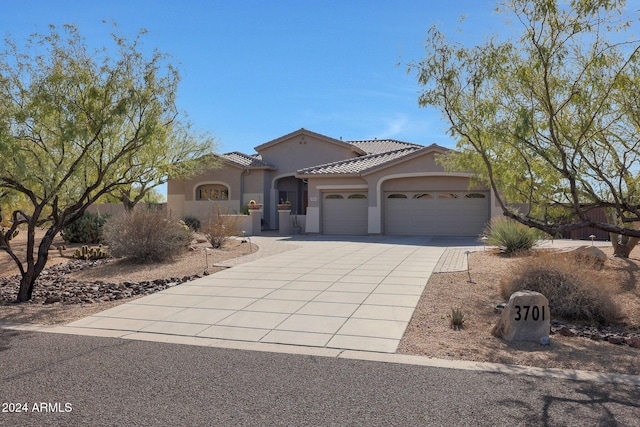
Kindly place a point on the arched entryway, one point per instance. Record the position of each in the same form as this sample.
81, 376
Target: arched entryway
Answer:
294, 190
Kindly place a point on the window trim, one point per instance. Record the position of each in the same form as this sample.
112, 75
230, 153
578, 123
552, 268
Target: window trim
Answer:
221, 187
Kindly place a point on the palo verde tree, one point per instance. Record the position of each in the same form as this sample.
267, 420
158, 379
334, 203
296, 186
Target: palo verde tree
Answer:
76, 125
550, 118
180, 155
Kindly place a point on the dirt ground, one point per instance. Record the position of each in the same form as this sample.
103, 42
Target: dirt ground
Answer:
191, 263
429, 332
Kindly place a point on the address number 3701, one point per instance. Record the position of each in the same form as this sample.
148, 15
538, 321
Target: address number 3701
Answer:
530, 312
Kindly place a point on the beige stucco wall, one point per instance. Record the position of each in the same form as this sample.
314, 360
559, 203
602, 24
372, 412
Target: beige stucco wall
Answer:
229, 176
303, 151
204, 209
181, 195
433, 183
175, 205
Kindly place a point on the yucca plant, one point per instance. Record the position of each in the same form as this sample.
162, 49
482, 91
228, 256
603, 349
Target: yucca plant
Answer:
510, 236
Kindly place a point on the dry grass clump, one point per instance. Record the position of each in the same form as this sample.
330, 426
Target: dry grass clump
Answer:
146, 236
219, 227
577, 289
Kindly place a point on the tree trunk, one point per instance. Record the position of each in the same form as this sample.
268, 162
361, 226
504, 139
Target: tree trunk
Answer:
623, 245
128, 204
27, 283
34, 269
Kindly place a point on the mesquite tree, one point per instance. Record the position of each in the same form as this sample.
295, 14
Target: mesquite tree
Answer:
550, 119
78, 124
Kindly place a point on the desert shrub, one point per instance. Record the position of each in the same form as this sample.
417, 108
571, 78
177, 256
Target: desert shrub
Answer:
193, 222
146, 235
572, 287
511, 236
457, 318
219, 228
86, 229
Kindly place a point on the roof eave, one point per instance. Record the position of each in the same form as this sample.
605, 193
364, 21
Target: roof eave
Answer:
327, 175
262, 167
433, 148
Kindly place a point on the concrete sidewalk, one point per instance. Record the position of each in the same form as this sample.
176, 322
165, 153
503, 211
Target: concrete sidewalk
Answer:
357, 293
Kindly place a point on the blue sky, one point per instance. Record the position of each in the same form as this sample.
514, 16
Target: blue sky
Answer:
255, 70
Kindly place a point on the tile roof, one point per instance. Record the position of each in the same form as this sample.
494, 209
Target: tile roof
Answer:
376, 146
358, 165
246, 160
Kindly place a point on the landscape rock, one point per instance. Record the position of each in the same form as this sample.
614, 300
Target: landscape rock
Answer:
55, 287
566, 332
613, 334
615, 340
633, 342
590, 252
526, 317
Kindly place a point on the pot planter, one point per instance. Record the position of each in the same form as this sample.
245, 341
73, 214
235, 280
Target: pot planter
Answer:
255, 206
284, 206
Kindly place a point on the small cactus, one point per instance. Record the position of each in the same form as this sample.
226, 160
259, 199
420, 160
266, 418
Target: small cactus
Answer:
457, 318
87, 253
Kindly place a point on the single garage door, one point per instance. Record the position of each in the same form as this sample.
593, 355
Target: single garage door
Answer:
436, 213
345, 213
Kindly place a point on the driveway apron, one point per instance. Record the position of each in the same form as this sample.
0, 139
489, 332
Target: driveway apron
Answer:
354, 293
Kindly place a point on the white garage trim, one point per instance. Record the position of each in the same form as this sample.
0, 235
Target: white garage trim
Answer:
338, 187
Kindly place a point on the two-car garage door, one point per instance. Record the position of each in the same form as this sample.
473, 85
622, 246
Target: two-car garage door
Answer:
435, 213
410, 213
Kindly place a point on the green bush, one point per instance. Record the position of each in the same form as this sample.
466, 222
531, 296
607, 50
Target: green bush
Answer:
511, 236
86, 229
192, 222
573, 288
147, 235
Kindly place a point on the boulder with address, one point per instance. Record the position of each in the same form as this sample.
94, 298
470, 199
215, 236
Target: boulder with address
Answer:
526, 317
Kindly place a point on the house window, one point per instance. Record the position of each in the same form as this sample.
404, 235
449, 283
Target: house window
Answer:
333, 196
357, 196
448, 196
397, 196
423, 196
212, 192
475, 196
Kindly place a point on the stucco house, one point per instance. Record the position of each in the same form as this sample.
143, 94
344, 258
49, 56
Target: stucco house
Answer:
341, 187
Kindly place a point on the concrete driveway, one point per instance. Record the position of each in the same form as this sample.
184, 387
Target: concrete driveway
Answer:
355, 293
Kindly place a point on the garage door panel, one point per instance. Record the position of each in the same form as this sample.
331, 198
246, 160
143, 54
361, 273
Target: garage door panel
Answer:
436, 216
345, 216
